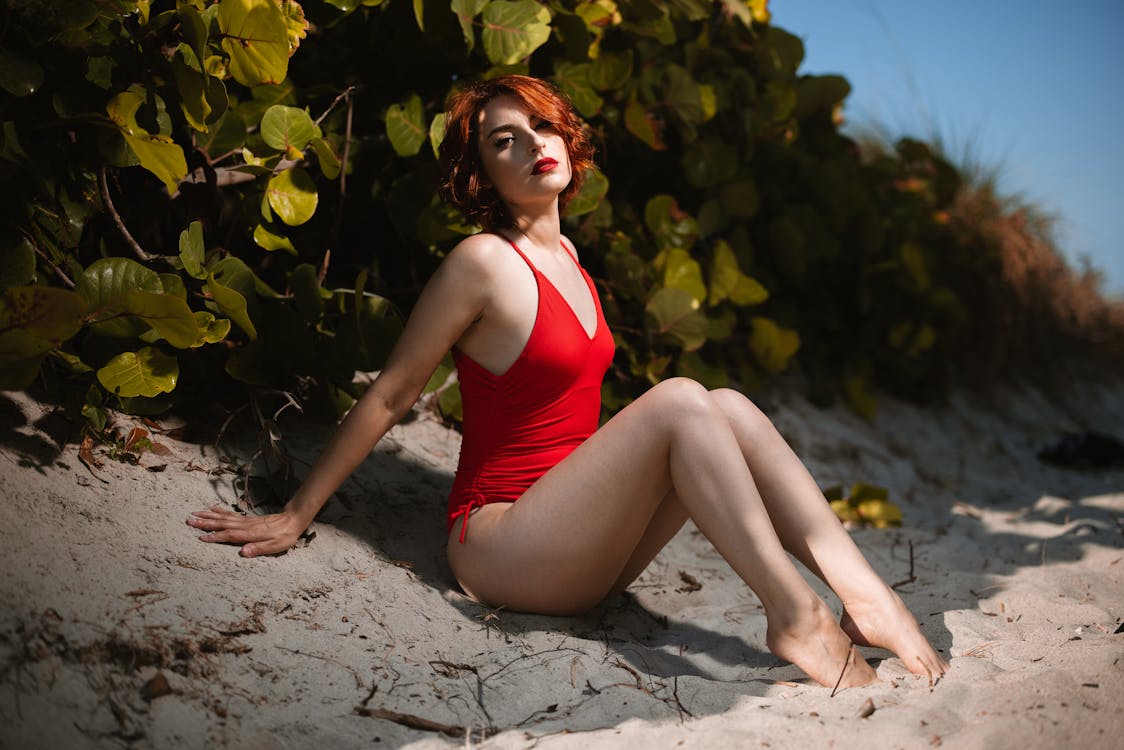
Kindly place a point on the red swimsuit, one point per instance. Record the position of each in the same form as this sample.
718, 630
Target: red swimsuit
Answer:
520, 424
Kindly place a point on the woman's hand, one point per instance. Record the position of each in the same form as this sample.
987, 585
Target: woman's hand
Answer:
258, 535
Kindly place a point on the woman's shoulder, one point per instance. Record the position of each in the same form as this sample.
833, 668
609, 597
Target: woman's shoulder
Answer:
478, 257
480, 248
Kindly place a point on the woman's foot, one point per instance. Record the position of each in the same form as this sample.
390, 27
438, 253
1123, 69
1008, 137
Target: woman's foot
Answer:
884, 622
815, 643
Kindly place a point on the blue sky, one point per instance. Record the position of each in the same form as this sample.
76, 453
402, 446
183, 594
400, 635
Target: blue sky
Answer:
1032, 88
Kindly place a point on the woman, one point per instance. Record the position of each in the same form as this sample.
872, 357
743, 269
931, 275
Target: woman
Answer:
594, 505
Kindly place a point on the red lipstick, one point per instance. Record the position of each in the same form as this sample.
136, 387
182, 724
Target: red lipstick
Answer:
544, 165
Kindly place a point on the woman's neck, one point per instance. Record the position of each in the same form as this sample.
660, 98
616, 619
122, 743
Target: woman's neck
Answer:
542, 230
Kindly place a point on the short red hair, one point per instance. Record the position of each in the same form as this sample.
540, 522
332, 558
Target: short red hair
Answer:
463, 182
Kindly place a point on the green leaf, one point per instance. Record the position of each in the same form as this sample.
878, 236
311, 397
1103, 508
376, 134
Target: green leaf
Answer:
20, 357
224, 136
513, 29
772, 345
232, 303
256, 39
285, 128
675, 314
267, 240
192, 250
465, 11
191, 82
589, 197
728, 282
681, 271
42, 311
194, 29
611, 70
326, 157
437, 133
642, 124
17, 260
19, 76
670, 226
573, 79
158, 154
106, 283
166, 314
405, 126
292, 194
210, 329
146, 372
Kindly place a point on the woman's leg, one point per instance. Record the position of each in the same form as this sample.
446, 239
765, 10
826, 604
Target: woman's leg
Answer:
568, 540
873, 613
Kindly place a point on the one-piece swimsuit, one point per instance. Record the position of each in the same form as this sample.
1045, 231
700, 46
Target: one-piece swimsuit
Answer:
520, 424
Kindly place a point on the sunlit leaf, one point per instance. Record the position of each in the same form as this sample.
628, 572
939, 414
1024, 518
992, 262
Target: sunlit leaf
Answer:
191, 82
210, 330
268, 240
166, 314
728, 282
466, 11
589, 197
681, 271
256, 38
292, 194
296, 25
437, 133
643, 124
513, 29
284, 128
405, 126
158, 154
191, 250
146, 372
573, 79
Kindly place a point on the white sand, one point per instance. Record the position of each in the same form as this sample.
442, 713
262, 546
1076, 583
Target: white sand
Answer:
1019, 569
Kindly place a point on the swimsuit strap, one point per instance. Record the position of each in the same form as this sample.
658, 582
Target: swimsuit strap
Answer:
521, 255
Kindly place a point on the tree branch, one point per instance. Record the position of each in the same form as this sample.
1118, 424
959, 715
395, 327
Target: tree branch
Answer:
137, 250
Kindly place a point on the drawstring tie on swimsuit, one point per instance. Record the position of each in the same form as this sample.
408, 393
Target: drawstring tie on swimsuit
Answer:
465, 509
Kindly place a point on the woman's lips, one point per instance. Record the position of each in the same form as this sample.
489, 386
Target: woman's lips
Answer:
544, 165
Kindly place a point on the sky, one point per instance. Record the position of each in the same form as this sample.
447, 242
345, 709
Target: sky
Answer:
1030, 89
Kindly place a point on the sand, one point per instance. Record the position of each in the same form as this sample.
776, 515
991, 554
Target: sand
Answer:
119, 629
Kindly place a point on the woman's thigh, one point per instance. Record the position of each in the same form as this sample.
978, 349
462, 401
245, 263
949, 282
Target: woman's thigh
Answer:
578, 530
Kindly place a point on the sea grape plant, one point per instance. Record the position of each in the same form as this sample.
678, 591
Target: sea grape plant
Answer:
210, 192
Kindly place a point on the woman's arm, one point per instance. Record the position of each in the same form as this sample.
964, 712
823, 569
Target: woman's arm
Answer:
455, 297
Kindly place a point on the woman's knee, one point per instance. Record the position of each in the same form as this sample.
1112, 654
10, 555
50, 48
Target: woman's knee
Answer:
683, 398
742, 413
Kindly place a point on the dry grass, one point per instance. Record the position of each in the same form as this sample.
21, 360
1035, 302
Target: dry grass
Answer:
1029, 312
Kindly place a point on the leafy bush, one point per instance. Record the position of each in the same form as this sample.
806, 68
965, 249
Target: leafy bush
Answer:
208, 193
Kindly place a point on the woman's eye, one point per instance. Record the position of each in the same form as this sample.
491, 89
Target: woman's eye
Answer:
544, 125
504, 140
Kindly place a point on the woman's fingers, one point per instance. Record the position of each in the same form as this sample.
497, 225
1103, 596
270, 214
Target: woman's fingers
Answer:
258, 535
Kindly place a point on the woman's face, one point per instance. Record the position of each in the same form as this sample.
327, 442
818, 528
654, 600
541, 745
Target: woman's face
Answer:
524, 156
